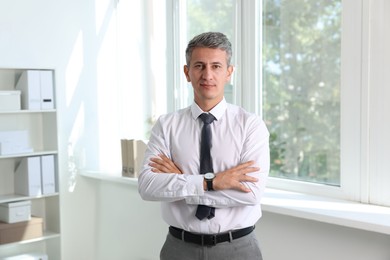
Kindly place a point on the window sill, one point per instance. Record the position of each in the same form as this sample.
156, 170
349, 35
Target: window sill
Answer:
338, 212
109, 177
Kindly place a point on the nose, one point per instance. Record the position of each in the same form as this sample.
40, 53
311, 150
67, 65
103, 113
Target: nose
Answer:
207, 73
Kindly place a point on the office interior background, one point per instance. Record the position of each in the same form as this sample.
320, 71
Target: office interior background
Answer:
316, 71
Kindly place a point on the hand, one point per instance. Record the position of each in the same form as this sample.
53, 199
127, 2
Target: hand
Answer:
163, 164
233, 178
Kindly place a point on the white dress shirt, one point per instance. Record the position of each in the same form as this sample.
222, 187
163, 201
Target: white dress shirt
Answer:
237, 137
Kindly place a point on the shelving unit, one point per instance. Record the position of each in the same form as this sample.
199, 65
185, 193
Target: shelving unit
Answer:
42, 132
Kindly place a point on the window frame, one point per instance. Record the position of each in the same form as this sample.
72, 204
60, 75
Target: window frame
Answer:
351, 138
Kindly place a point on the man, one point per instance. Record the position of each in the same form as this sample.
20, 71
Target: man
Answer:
212, 209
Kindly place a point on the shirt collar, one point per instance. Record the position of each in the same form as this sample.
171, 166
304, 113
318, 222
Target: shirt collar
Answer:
217, 111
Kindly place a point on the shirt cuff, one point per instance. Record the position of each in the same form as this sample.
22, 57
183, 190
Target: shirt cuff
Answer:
195, 185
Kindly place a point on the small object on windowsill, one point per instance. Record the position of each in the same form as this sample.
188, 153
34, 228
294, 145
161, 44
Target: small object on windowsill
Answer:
133, 152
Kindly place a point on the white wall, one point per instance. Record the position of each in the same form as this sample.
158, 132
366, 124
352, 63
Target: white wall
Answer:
284, 237
103, 220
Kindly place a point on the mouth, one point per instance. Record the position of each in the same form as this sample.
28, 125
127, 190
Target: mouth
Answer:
206, 86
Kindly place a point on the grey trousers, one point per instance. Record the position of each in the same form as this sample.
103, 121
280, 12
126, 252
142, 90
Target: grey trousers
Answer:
244, 248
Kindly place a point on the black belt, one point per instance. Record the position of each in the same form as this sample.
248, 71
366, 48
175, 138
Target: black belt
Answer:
209, 240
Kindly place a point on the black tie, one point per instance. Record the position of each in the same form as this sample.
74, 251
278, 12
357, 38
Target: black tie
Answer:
206, 164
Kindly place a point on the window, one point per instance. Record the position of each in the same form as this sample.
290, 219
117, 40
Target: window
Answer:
301, 88
312, 52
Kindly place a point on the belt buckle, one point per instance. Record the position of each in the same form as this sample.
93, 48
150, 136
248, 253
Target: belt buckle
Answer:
212, 241
214, 238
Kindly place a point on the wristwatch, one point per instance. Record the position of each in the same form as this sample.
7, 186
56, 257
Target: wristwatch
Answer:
209, 177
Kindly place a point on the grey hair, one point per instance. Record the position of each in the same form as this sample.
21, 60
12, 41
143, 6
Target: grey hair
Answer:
214, 40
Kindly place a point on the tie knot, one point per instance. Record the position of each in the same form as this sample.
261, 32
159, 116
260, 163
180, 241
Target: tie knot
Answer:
207, 118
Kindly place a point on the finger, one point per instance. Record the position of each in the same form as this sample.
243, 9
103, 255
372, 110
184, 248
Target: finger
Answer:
247, 178
169, 162
242, 187
156, 160
244, 165
165, 158
159, 167
155, 170
250, 169
163, 163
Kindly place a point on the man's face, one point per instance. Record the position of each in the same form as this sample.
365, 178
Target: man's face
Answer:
208, 73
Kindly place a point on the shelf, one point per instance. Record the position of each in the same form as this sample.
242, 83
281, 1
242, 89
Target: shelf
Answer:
37, 123
23, 111
15, 197
20, 155
47, 235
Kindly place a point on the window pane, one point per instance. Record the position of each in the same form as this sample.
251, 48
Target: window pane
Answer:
211, 15
301, 81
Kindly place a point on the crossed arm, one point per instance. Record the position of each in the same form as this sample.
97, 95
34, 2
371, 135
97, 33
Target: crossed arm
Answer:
228, 179
166, 179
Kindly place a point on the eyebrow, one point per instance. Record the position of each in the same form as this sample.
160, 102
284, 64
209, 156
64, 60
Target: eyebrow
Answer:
212, 63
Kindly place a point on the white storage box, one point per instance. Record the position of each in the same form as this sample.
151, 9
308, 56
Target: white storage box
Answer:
14, 212
14, 142
10, 100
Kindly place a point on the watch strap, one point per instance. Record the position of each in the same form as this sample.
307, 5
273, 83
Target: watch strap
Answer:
209, 184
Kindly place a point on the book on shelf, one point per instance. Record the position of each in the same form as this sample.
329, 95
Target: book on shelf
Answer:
35, 176
37, 89
28, 177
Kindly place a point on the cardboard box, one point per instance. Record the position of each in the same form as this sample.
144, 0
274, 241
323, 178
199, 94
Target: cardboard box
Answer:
16, 232
14, 212
10, 100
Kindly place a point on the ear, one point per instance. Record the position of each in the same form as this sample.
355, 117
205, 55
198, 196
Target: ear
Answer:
230, 70
186, 72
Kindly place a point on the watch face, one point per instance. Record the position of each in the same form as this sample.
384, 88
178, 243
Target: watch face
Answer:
209, 175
